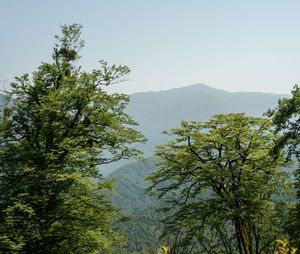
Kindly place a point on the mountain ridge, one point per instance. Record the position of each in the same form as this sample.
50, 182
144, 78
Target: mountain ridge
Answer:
201, 85
163, 110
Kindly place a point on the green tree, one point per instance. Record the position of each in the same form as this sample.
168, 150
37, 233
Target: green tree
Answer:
57, 128
219, 178
287, 119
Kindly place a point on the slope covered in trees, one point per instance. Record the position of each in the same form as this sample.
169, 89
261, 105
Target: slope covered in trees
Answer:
144, 228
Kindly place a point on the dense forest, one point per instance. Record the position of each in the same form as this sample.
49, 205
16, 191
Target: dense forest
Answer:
222, 182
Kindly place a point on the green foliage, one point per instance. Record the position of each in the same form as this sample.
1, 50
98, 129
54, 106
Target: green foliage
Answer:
287, 119
219, 179
58, 128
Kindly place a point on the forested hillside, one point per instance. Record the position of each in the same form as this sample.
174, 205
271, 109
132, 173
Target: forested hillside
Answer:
144, 228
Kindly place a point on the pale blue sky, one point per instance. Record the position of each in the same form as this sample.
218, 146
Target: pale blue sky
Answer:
234, 45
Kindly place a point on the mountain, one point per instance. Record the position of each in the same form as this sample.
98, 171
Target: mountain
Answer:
163, 110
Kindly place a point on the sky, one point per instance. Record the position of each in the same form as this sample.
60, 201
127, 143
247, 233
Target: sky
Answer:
234, 45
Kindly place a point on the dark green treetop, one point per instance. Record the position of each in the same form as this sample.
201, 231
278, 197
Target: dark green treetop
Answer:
56, 131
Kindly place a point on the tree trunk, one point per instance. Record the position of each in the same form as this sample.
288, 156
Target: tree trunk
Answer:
242, 237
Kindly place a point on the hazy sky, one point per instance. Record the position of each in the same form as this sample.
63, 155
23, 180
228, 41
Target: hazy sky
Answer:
233, 45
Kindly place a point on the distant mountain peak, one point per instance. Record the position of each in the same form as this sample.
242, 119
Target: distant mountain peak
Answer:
198, 87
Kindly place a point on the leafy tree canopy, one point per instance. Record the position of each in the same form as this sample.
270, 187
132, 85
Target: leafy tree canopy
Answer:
57, 128
219, 179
